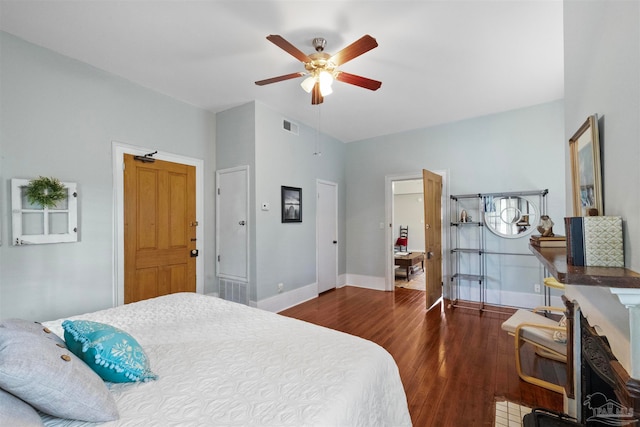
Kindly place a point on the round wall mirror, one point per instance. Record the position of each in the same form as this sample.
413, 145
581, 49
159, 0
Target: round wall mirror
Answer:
510, 217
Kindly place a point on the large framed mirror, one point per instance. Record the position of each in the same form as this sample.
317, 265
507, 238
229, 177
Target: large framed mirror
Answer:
510, 216
586, 170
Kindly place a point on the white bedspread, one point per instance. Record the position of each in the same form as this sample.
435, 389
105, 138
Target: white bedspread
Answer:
224, 364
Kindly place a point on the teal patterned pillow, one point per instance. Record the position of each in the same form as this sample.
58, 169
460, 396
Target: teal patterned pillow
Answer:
112, 353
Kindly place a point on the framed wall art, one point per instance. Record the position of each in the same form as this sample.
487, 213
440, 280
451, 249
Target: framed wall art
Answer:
291, 204
586, 172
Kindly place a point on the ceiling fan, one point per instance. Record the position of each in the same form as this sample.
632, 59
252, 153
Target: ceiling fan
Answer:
322, 68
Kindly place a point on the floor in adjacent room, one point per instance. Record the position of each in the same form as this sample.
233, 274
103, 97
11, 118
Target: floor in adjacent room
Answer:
455, 363
416, 279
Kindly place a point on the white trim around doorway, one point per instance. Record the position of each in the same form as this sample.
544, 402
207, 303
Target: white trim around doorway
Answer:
388, 205
119, 149
336, 231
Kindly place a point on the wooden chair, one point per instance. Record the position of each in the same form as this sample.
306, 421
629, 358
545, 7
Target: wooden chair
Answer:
545, 334
551, 282
403, 239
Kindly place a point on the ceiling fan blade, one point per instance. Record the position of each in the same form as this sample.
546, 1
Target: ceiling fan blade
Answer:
279, 78
358, 81
288, 47
355, 49
316, 96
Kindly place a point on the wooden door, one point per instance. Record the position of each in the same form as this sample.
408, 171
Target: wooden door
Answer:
432, 187
159, 229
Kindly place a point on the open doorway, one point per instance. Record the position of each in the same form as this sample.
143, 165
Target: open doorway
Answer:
408, 234
393, 227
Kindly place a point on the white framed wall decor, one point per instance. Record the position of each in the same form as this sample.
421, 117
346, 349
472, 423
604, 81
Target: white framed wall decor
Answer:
35, 224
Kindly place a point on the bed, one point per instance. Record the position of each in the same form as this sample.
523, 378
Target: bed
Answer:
220, 363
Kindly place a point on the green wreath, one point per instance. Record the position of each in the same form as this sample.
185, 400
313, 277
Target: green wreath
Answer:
46, 192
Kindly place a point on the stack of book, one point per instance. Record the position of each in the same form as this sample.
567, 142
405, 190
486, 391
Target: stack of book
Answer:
548, 241
594, 241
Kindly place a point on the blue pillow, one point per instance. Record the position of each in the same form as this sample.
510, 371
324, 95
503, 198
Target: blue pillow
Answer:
112, 353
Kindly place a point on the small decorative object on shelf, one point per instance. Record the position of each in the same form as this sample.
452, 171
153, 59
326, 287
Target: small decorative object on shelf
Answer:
546, 226
46, 192
595, 241
463, 216
548, 241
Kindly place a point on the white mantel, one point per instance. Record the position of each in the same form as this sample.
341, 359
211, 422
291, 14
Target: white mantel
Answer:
630, 297
614, 313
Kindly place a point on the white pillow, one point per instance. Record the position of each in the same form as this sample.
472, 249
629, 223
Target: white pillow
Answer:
16, 413
36, 368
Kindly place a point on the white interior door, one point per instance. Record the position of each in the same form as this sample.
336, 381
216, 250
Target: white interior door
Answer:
327, 235
232, 223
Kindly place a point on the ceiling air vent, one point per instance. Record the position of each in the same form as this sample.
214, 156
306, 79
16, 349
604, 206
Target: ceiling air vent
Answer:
290, 126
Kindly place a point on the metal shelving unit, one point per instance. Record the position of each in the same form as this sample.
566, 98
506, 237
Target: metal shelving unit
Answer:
467, 247
468, 240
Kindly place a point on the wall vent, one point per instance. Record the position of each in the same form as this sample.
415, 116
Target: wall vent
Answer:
234, 291
290, 126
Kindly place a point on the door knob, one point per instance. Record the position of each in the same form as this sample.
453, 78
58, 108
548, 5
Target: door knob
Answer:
429, 255
242, 223
427, 226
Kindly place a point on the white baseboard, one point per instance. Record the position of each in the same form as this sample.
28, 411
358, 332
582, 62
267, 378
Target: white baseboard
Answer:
287, 299
509, 298
342, 281
368, 282
297, 296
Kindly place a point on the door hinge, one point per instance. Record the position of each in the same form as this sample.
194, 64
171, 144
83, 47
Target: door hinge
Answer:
218, 258
218, 191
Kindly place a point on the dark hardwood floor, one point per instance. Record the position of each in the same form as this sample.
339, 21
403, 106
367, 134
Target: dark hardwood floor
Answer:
454, 363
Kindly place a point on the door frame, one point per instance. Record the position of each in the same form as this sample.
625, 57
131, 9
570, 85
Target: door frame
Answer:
247, 214
119, 149
337, 188
389, 243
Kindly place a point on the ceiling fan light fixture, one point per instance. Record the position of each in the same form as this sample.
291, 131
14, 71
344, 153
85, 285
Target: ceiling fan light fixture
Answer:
322, 68
308, 84
325, 89
325, 79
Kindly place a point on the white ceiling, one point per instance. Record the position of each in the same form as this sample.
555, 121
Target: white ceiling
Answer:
439, 61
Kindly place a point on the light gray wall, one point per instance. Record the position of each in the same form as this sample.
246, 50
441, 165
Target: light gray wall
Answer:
602, 76
408, 210
252, 134
286, 252
235, 146
59, 118
512, 151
